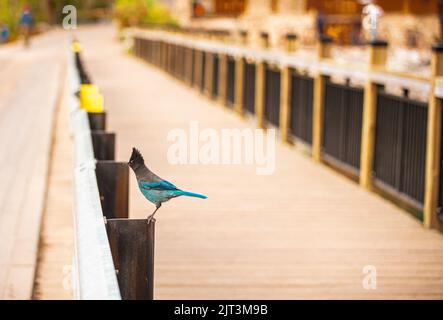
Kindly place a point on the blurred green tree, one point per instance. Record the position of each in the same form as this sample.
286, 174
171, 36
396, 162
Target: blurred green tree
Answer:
49, 11
126, 12
142, 13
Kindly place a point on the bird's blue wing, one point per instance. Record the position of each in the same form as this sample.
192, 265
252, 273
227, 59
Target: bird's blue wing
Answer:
169, 184
160, 185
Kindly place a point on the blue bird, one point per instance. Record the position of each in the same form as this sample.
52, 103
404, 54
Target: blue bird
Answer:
154, 188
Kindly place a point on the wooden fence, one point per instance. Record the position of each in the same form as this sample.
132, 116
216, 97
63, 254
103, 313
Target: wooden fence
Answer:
390, 144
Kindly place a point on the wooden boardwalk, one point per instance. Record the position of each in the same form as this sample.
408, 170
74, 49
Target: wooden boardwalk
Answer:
54, 268
303, 232
29, 88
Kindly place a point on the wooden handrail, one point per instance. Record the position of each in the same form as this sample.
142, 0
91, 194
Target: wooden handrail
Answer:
281, 58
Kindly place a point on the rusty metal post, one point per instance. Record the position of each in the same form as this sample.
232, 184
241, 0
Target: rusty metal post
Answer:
97, 121
113, 186
104, 145
132, 246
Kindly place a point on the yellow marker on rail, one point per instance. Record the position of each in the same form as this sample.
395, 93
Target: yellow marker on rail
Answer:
94, 103
88, 89
76, 47
90, 98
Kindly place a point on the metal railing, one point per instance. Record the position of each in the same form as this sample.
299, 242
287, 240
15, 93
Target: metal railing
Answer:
249, 88
337, 122
203, 72
230, 82
400, 147
272, 95
302, 94
113, 255
94, 274
215, 75
343, 116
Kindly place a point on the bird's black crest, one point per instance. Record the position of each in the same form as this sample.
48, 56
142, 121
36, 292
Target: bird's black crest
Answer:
136, 156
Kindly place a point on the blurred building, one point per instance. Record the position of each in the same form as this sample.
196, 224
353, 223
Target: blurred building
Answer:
409, 23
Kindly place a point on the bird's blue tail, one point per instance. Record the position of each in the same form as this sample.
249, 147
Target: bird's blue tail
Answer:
192, 194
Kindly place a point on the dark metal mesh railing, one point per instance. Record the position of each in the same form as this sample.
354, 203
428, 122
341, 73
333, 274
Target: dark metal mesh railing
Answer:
171, 56
215, 65
301, 104
272, 95
203, 71
343, 117
400, 146
193, 66
230, 82
249, 88
401, 122
181, 63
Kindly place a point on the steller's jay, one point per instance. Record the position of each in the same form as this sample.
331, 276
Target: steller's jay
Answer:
154, 188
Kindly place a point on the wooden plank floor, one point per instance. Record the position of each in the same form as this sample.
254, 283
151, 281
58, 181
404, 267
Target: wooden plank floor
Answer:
29, 87
303, 232
53, 278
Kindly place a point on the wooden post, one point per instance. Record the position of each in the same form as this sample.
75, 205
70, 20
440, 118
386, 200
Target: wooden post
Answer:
378, 54
285, 110
97, 121
323, 52
239, 84
433, 142
291, 42
222, 78
377, 60
260, 93
264, 40
104, 145
208, 73
132, 248
113, 186
324, 47
243, 38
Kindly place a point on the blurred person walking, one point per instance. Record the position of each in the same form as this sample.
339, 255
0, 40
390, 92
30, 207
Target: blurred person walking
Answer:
4, 32
320, 24
26, 22
371, 18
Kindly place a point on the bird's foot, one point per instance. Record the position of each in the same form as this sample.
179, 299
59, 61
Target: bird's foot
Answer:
150, 219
